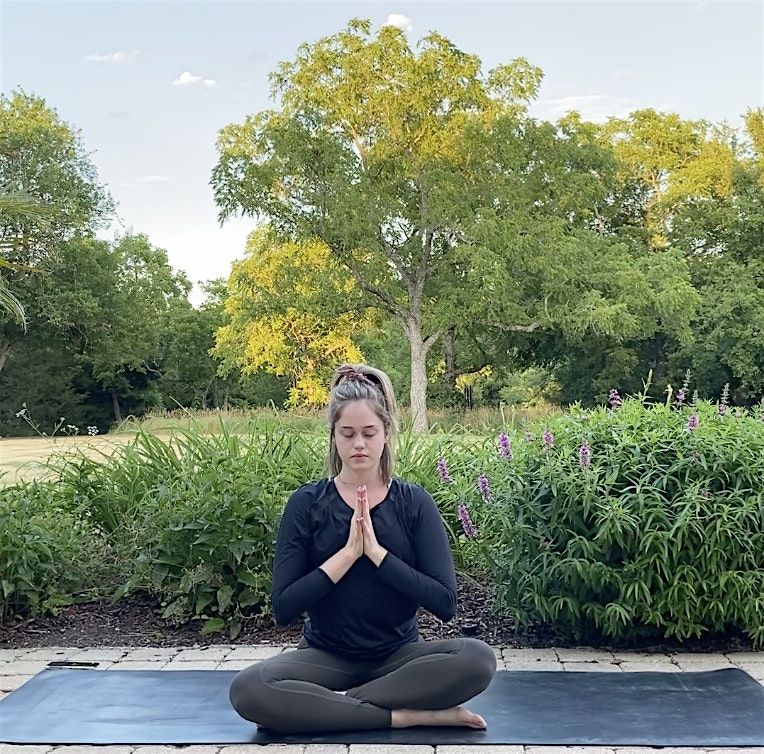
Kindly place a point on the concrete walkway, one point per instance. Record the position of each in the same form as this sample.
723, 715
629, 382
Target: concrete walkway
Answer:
19, 665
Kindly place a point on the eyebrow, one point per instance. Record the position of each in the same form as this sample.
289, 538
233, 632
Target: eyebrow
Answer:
367, 426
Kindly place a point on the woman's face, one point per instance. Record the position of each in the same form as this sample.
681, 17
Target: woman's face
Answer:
360, 439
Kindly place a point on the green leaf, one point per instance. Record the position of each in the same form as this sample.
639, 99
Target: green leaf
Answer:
213, 626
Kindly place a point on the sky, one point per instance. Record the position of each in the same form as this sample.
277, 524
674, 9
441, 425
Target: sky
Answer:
148, 84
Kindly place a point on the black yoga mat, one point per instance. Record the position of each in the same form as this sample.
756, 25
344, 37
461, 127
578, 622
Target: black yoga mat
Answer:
715, 708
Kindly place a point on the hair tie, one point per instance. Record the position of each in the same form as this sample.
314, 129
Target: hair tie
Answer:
350, 373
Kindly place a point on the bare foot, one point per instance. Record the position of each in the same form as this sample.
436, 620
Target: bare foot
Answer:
455, 716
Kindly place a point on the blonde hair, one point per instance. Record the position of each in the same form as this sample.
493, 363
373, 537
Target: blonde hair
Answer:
360, 382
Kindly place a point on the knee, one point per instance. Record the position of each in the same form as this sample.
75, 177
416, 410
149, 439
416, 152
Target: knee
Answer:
478, 662
248, 694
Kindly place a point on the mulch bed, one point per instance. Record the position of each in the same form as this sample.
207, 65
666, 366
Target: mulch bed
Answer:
136, 621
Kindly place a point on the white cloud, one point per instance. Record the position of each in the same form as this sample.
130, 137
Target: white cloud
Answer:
596, 108
113, 57
191, 79
399, 20
153, 179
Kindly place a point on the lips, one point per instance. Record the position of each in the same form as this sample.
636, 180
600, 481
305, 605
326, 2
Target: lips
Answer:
359, 455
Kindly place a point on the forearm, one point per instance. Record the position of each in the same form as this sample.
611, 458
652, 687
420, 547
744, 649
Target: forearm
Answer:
376, 556
290, 602
435, 595
339, 564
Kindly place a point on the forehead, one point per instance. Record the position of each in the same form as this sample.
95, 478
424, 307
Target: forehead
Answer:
358, 414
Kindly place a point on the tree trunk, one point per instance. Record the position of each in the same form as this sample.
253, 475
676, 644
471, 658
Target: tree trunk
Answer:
115, 406
418, 393
206, 393
449, 377
5, 350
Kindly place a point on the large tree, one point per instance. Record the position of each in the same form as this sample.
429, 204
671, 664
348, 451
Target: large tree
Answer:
291, 310
665, 160
43, 160
123, 319
456, 214
367, 154
722, 237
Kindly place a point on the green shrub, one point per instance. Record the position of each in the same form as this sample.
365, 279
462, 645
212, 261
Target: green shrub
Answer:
201, 514
48, 556
661, 531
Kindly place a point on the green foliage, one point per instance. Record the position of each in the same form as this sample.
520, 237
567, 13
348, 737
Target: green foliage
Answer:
528, 388
19, 207
50, 195
280, 316
100, 314
48, 555
663, 533
44, 375
196, 513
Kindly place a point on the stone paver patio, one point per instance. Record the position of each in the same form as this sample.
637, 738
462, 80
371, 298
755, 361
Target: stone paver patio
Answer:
18, 665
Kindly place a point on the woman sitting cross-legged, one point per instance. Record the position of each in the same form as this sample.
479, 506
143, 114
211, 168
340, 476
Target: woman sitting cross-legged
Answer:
360, 552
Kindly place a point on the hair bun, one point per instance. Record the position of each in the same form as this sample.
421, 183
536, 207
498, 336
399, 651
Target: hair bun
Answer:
352, 374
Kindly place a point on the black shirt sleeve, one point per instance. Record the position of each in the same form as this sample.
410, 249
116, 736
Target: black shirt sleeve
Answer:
433, 586
295, 585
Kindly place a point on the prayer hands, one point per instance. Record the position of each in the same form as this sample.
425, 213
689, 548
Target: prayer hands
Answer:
355, 539
371, 548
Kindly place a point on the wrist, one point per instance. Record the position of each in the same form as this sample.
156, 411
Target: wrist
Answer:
377, 555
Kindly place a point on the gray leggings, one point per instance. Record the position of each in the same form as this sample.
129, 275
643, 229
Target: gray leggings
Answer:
296, 691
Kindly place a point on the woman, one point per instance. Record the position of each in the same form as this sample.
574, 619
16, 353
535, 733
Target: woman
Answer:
360, 552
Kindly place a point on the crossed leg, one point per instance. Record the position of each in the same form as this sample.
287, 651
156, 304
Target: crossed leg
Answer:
425, 682
297, 692
419, 684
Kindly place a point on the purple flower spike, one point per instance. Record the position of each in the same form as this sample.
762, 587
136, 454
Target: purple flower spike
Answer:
585, 455
505, 447
485, 490
680, 396
614, 400
548, 439
464, 516
692, 423
443, 471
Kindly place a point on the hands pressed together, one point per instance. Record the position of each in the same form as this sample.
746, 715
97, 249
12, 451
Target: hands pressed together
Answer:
362, 540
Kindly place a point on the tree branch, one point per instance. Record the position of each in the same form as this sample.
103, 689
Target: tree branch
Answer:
389, 303
430, 340
517, 328
395, 258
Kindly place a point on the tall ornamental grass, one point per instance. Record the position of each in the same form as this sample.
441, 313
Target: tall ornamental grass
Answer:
194, 518
626, 522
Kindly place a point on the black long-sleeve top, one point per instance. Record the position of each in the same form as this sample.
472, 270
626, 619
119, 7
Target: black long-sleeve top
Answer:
370, 611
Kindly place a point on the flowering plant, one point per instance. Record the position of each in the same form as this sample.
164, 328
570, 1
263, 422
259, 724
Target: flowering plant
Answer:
644, 520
